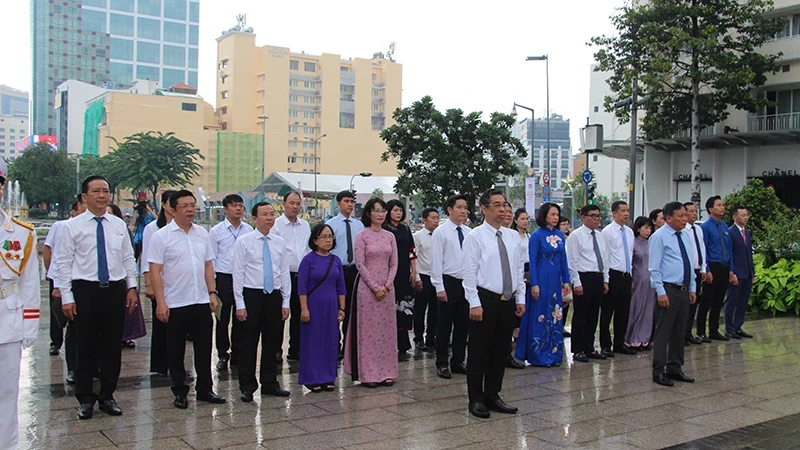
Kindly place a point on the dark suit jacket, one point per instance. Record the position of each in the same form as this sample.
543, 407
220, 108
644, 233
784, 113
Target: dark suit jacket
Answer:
742, 253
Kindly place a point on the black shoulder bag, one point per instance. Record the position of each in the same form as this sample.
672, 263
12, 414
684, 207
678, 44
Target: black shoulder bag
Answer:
324, 277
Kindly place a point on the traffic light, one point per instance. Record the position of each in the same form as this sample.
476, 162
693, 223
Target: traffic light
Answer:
590, 193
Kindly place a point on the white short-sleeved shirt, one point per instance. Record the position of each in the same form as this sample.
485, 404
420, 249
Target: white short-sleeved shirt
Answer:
183, 256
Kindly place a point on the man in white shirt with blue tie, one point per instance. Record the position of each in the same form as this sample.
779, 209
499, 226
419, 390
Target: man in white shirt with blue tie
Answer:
261, 286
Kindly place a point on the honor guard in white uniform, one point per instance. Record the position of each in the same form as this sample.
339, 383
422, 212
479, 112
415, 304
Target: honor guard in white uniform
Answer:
19, 311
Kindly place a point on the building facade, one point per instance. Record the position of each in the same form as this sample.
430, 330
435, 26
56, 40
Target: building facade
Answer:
533, 135
323, 113
13, 119
109, 43
70, 110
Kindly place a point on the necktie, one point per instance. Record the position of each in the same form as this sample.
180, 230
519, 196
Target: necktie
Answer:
697, 247
687, 266
102, 260
269, 280
508, 290
744, 236
627, 252
460, 237
349, 242
597, 253
722, 244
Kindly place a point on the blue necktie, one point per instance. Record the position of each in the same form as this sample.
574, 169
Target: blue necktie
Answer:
269, 280
722, 244
597, 254
687, 266
460, 237
102, 260
627, 253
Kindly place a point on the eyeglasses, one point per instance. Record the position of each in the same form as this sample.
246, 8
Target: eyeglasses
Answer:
325, 236
379, 211
593, 216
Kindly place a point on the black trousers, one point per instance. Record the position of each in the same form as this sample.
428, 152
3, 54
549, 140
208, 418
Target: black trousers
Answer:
453, 316
227, 310
616, 304
585, 312
159, 359
489, 345
669, 336
59, 337
350, 274
425, 305
100, 318
263, 322
712, 298
56, 331
693, 307
294, 321
196, 321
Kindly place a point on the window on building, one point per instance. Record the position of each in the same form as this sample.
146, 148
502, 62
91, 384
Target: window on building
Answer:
95, 3
596, 108
194, 12
292, 128
174, 56
565, 154
189, 106
309, 85
122, 25
148, 28
175, 9
374, 76
120, 73
564, 164
347, 120
308, 115
192, 58
93, 20
309, 67
375, 107
121, 5
378, 122
292, 113
344, 69
294, 65
122, 49
175, 32
565, 174
309, 100
223, 79
150, 7
293, 144
171, 77
294, 83
594, 158
223, 110
194, 35
191, 78
224, 94
147, 52
148, 73
223, 64
553, 164
309, 130
347, 92
536, 163
293, 98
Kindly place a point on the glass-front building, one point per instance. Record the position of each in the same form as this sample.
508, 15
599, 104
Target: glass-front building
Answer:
534, 138
110, 42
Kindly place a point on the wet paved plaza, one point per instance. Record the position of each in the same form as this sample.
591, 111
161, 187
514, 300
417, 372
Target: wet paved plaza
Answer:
744, 397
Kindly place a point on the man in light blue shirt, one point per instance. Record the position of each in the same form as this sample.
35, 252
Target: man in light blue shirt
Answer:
345, 228
672, 277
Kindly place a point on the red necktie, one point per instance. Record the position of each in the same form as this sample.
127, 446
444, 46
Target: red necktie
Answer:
744, 236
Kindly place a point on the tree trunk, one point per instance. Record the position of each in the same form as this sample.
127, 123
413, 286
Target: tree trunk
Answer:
695, 143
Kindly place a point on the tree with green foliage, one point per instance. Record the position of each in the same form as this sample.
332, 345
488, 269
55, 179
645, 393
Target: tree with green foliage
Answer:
378, 193
101, 165
442, 154
694, 58
148, 161
45, 176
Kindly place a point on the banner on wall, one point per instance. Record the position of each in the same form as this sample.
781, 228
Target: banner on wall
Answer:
530, 196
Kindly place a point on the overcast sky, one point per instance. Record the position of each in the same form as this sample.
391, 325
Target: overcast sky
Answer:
464, 56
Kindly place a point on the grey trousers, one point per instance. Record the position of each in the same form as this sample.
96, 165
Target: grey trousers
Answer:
670, 330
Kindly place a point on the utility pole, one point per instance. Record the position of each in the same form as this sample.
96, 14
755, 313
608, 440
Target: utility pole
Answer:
633, 102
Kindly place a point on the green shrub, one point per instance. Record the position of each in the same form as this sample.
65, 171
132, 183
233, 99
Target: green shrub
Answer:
761, 202
776, 287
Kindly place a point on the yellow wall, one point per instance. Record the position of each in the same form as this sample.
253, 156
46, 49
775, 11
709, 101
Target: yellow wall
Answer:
258, 83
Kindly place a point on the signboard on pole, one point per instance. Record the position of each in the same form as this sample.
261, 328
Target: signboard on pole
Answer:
530, 196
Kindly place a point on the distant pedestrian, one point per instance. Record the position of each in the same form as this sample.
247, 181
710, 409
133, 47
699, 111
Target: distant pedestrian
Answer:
640, 321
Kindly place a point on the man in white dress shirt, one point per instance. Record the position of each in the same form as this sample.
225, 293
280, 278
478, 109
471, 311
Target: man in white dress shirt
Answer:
493, 283
589, 276
617, 240
425, 301
447, 275
699, 263
97, 278
223, 236
262, 286
182, 274
296, 232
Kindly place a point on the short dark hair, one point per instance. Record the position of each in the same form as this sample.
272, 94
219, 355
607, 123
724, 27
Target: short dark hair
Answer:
486, 197
710, 202
343, 195
451, 201
162, 216
517, 213
231, 198
116, 211
427, 212
589, 208
173, 199
544, 210
654, 214
254, 210
687, 204
315, 232
288, 194
75, 205
736, 210
85, 184
615, 206
671, 207
391, 204
640, 222
368, 207
563, 219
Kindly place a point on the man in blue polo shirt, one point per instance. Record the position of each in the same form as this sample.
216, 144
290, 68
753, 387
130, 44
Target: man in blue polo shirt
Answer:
720, 264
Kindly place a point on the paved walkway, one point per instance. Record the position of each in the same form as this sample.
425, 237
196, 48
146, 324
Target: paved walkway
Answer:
608, 404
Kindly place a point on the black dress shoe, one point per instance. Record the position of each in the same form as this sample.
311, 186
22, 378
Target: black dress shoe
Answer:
459, 368
607, 353
420, 346
718, 337
275, 392
680, 376
444, 372
210, 397
567, 334
500, 406
162, 374
110, 407
279, 357
370, 385
293, 356
662, 380
53, 350
703, 338
234, 361
625, 350
514, 363
180, 402
733, 336
222, 365
595, 355
686, 343
741, 333
85, 411
580, 357
247, 397
479, 410
693, 340
70, 377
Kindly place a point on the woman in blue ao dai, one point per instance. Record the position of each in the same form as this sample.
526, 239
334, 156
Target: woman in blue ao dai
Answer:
541, 335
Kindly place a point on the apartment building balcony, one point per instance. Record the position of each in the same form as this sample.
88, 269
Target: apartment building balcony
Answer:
774, 122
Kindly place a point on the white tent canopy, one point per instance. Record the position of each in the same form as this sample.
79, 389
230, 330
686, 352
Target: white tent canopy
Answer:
326, 184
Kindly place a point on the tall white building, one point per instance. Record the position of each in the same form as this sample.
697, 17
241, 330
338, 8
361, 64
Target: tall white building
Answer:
533, 136
13, 119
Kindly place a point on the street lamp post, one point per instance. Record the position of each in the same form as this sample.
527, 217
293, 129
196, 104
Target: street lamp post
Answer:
514, 114
546, 60
314, 143
361, 174
264, 139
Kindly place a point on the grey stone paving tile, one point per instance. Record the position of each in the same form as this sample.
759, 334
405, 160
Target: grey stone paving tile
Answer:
423, 409
407, 427
326, 440
272, 415
731, 419
347, 420
775, 389
789, 404
667, 435
579, 433
192, 425
240, 436
656, 416
504, 427
76, 441
172, 443
99, 422
646, 399
347, 404
579, 413
719, 401
418, 441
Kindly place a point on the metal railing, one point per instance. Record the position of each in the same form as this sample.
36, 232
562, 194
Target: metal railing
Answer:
774, 122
